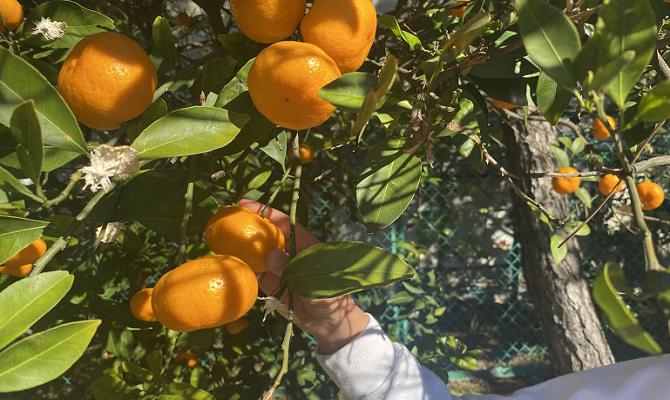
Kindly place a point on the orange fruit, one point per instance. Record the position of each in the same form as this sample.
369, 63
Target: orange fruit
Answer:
344, 29
459, 11
12, 14
610, 183
140, 305
566, 185
204, 293
107, 80
236, 327
240, 232
22, 263
189, 357
284, 84
600, 130
651, 195
306, 154
503, 105
268, 21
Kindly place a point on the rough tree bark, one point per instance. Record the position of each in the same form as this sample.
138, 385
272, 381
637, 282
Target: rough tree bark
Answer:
561, 296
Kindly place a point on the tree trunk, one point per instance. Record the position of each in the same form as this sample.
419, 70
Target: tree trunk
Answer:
562, 297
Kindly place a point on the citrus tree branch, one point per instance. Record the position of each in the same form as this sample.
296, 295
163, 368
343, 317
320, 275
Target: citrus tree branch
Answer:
188, 209
74, 178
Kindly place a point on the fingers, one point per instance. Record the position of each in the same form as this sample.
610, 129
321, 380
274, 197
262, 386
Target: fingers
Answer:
304, 238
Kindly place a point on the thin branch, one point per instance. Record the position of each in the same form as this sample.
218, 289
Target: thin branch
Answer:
638, 167
188, 209
74, 178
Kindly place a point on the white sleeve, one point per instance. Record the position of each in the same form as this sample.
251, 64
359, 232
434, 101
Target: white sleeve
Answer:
371, 367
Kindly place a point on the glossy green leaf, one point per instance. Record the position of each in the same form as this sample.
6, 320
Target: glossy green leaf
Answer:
278, 148
28, 134
29, 299
389, 21
350, 90
333, 269
372, 101
606, 288
551, 99
605, 74
578, 145
17, 233
19, 82
560, 156
584, 196
9, 182
186, 132
387, 184
178, 390
164, 41
550, 38
236, 86
111, 387
81, 22
558, 253
473, 28
625, 25
44, 356
572, 225
655, 104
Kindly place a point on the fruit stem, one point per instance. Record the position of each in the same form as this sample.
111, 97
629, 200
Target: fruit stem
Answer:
74, 178
188, 209
651, 260
286, 343
296, 193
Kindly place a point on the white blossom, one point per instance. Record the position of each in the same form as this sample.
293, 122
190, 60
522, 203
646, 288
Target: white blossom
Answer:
109, 232
272, 304
50, 29
109, 163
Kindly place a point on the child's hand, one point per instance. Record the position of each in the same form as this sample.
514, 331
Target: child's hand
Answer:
333, 322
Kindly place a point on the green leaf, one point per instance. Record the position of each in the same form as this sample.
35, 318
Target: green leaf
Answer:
560, 156
471, 30
386, 78
389, 21
111, 387
185, 391
16, 234
625, 25
558, 253
277, 148
236, 86
350, 90
20, 81
81, 22
550, 38
28, 134
9, 181
584, 196
333, 269
387, 184
156, 110
44, 356
164, 41
572, 225
606, 288
551, 99
655, 104
605, 74
239, 46
186, 132
27, 300
578, 146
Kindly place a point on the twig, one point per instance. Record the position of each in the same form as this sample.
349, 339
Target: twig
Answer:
286, 343
188, 209
74, 178
638, 167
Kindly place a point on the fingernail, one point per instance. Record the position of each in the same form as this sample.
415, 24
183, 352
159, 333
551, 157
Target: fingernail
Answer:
277, 261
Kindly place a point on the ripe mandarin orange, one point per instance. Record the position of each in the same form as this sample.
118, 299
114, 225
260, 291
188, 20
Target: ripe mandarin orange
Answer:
268, 21
566, 185
204, 293
344, 29
306, 154
188, 357
140, 305
600, 130
12, 14
610, 183
459, 11
284, 84
22, 263
107, 80
651, 195
503, 105
236, 327
240, 232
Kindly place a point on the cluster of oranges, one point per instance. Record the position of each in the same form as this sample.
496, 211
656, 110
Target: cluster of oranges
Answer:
22, 263
286, 77
217, 289
651, 193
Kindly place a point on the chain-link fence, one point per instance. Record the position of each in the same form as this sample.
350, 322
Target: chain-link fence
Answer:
462, 226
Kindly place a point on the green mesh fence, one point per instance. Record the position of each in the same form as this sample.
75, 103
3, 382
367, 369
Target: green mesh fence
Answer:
464, 229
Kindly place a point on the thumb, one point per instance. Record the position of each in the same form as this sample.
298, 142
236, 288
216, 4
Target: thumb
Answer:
277, 261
